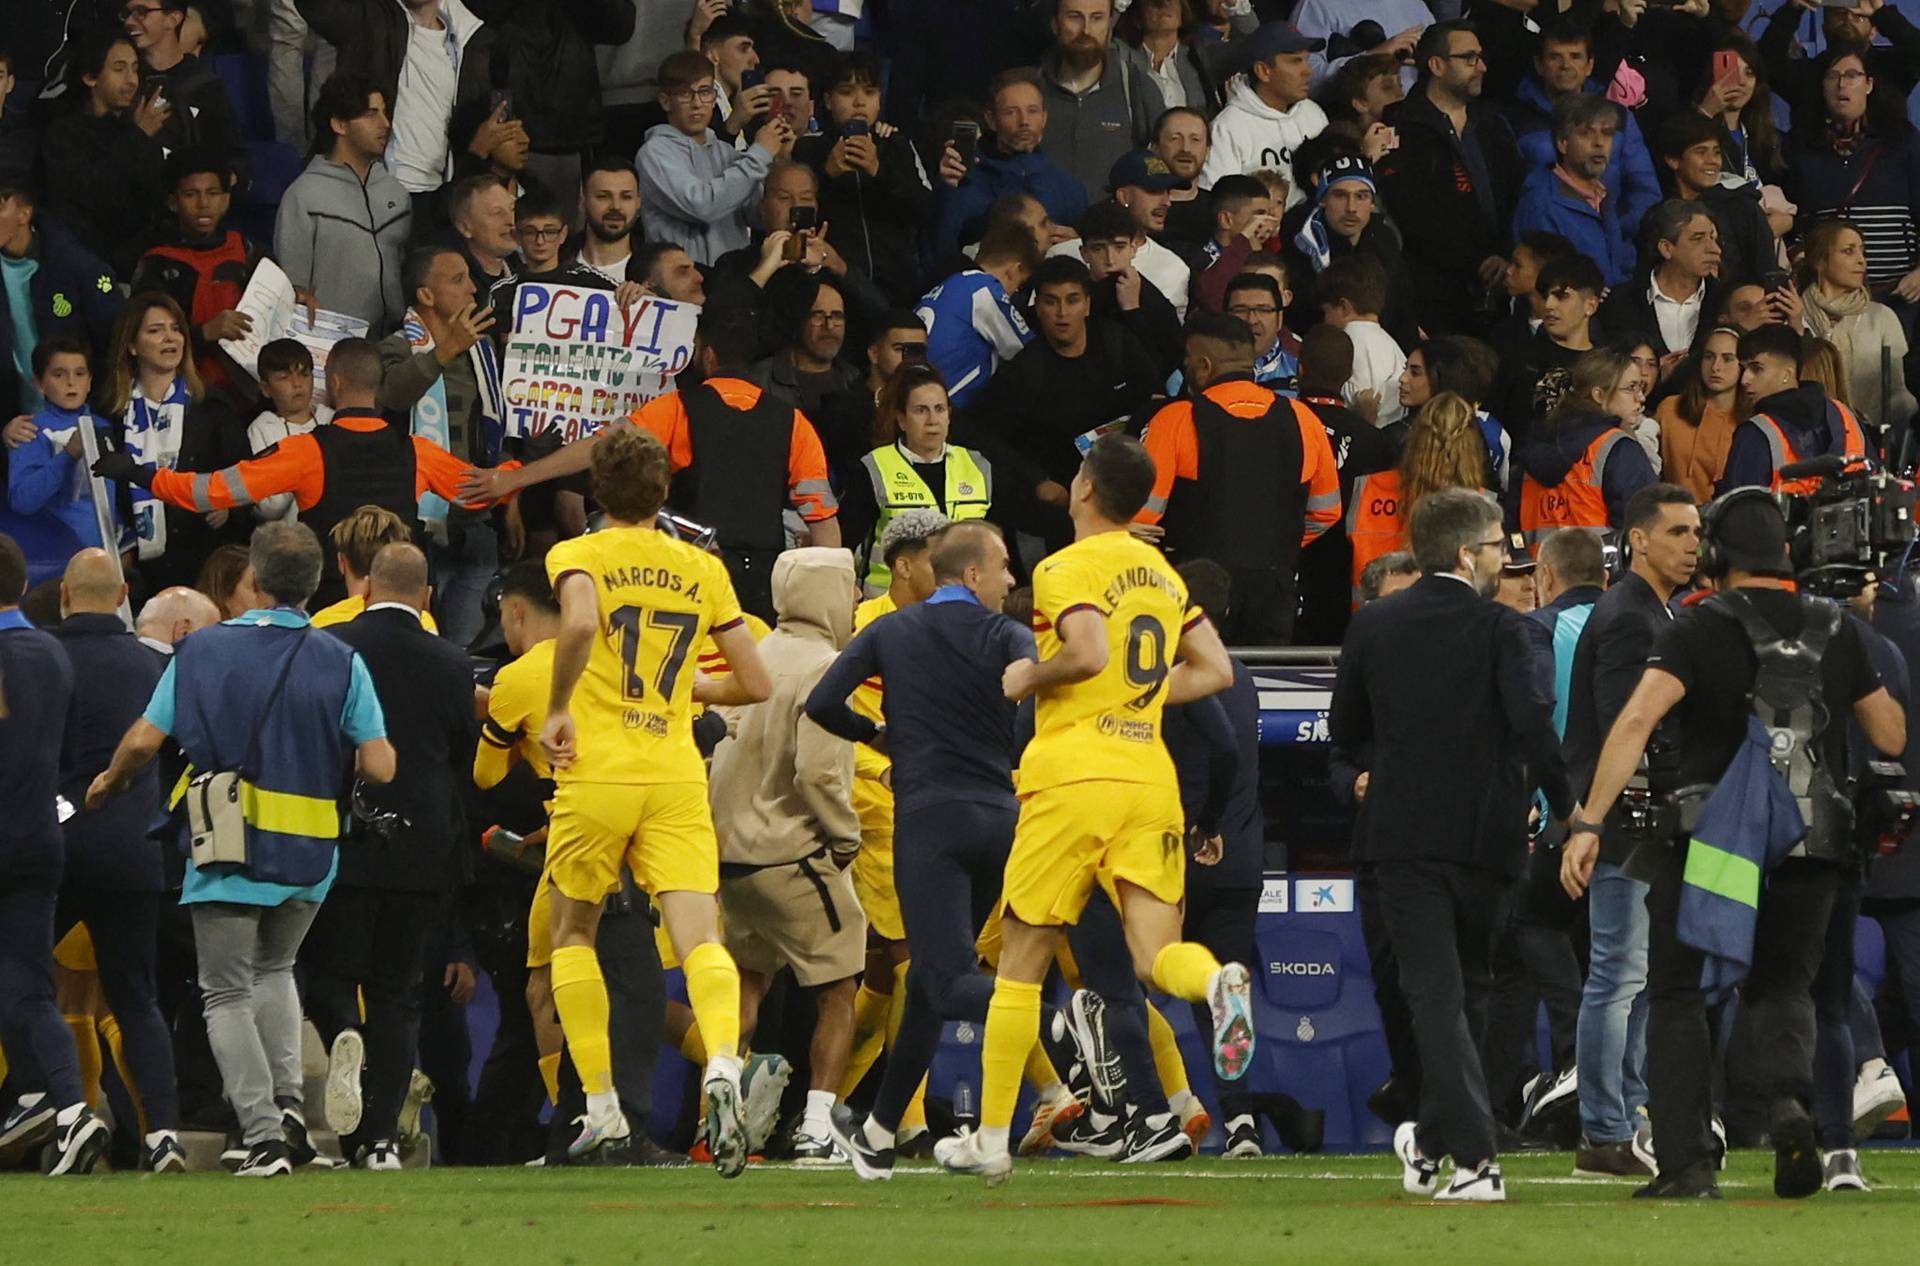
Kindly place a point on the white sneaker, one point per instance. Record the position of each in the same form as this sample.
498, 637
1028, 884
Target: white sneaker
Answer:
1480, 1186
1418, 1175
345, 1061
595, 1131
1843, 1171
1877, 1095
381, 1156
962, 1154
726, 1124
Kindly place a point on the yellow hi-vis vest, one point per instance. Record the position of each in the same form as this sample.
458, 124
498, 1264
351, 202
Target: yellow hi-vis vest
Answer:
898, 487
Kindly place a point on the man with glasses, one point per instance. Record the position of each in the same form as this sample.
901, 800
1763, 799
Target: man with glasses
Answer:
201, 115
810, 311
1259, 301
1439, 682
695, 189
1451, 184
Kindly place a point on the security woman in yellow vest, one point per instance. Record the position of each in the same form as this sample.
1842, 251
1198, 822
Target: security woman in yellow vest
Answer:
913, 467
1581, 465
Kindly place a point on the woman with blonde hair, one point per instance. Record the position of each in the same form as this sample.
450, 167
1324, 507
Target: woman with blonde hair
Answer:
1582, 463
1445, 449
168, 421
1871, 343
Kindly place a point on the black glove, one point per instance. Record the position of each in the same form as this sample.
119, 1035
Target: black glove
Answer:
119, 464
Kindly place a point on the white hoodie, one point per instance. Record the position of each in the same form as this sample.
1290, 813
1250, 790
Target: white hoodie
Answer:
1249, 135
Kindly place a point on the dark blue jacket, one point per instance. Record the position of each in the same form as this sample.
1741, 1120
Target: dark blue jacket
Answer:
1630, 177
958, 212
1547, 204
1896, 618
73, 293
113, 677
950, 730
1215, 745
37, 680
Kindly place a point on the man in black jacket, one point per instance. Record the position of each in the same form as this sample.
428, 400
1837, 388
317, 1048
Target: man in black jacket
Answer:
201, 115
115, 881
1439, 681
545, 62
1676, 289
398, 866
1452, 179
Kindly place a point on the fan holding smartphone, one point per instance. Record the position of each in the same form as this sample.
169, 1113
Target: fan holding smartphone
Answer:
1736, 96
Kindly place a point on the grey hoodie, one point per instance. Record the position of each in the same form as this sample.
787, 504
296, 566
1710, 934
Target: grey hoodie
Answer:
345, 241
783, 787
695, 194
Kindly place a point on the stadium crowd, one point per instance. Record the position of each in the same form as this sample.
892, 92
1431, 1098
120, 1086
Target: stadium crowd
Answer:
1005, 310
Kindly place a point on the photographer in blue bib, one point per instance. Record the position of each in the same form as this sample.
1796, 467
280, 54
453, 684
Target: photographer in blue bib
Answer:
1745, 842
912, 467
275, 722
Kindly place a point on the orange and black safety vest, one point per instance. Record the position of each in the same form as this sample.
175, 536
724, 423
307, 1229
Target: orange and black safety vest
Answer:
1852, 443
1578, 500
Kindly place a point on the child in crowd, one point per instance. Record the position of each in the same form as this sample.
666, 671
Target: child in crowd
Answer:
47, 480
286, 381
1352, 292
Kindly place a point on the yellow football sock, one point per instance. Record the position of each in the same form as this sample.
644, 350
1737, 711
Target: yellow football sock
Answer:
550, 1077
896, 1003
580, 996
87, 1046
1166, 1054
1183, 969
872, 1013
1040, 1070
693, 1047
713, 991
1013, 1023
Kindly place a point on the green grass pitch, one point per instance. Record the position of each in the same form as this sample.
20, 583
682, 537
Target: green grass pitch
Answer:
1290, 1210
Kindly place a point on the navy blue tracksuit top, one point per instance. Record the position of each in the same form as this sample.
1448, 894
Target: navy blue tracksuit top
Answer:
950, 731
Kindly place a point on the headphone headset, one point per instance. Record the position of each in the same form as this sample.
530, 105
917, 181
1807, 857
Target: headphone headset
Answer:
1713, 556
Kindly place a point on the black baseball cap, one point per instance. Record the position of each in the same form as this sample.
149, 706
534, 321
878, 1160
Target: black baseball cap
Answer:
1143, 169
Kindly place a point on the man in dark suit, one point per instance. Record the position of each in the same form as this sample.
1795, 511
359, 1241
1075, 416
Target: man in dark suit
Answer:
398, 865
44, 1098
1676, 290
1662, 527
115, 879
1440, 682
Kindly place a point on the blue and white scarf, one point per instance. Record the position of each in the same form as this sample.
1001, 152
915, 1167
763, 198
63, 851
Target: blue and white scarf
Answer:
1313, 241
431, 421
153, 433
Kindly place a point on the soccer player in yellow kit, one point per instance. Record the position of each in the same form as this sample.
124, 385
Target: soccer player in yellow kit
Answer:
1099, 800
635, 606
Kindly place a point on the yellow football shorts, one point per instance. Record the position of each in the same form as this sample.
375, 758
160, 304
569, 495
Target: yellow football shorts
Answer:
1080, 833
663, 831
540, 931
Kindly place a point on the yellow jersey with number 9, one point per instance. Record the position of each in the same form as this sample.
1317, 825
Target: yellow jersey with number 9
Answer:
659, 598
1107, 727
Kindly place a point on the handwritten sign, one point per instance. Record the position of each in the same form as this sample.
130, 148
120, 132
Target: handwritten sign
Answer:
576, 360
276, 314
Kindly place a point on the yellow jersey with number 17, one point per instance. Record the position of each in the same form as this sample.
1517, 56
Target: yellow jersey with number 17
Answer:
1107, 727
633, 709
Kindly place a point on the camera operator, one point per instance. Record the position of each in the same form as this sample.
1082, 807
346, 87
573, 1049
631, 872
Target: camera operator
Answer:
1755, 639
1791, 420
